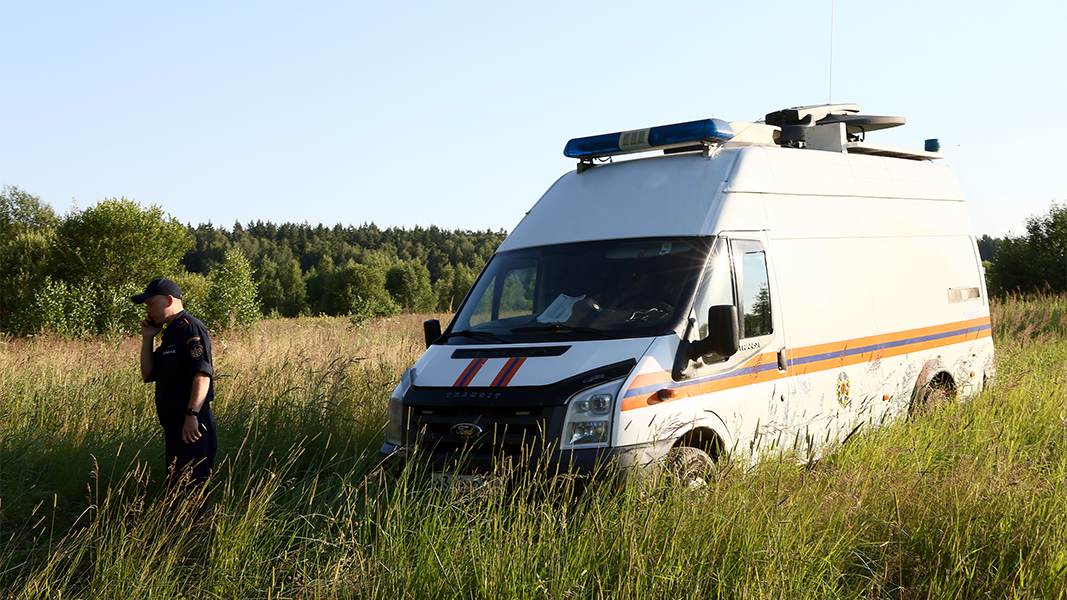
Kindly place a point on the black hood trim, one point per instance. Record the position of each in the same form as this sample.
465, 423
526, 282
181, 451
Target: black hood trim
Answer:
554, 394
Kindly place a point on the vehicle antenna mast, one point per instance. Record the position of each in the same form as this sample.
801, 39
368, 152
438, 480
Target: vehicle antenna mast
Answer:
830, 93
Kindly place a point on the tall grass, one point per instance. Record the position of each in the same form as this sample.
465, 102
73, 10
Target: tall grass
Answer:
968, 501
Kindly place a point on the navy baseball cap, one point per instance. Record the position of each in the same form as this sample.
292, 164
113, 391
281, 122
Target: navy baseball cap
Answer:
157, 287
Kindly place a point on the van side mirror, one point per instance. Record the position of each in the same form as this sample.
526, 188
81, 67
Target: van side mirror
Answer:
432, 330
723, 334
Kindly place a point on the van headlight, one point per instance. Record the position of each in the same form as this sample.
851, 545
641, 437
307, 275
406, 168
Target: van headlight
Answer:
394, 424
589, 416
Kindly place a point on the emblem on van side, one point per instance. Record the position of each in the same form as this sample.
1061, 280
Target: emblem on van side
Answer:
466, 432
842, 388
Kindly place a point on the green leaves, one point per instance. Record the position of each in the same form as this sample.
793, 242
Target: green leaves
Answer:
117, 241
74, 274
21, 212
1036, 262
231, 301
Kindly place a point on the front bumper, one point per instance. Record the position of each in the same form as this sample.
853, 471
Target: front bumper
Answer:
590, 462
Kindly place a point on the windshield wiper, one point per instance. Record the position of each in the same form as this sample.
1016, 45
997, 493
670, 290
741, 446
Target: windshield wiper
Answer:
475, 335
561, 328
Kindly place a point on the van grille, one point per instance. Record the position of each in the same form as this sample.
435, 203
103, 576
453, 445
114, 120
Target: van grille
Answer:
504, 430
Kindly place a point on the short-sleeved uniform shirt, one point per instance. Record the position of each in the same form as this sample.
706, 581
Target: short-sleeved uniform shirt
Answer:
184, 351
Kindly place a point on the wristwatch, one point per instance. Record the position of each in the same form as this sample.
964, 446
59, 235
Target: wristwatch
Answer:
191, 412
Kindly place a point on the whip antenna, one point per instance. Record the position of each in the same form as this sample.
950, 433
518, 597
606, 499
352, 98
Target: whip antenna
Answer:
830, 93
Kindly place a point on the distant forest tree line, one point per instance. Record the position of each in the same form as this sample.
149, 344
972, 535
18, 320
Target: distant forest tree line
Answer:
347, 270
74, 274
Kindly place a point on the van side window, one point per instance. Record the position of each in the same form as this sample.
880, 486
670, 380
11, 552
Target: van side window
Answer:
754, 285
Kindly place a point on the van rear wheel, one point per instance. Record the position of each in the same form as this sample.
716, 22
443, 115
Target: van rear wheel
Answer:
935, 392
691, 467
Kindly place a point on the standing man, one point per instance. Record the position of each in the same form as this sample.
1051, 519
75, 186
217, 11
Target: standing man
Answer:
181, 368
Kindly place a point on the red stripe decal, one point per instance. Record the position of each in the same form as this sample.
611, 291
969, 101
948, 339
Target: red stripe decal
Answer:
503, 378
468, 374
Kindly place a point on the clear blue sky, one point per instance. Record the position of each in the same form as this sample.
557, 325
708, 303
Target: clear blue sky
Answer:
455, 114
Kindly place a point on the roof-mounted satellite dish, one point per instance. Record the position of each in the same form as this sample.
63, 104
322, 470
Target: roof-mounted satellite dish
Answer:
796, 122
862, 123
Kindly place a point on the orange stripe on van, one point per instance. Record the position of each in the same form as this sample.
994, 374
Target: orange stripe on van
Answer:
752, 372
809, 359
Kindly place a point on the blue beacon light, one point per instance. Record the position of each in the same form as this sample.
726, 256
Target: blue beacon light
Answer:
651, 138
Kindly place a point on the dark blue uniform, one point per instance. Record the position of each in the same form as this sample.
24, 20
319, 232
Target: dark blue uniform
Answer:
184, 351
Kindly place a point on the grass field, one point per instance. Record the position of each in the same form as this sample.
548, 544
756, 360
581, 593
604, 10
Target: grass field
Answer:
970, 501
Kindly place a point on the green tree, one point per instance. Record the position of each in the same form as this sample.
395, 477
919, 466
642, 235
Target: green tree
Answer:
408, 282
110, 251
358, 290
195, 291
117, 241
21, 212
454, 284
231, 300
317, 281
270, 288
282, 290
987, 247
294, 291
1036, 262
58, 308
21, 277
27, 231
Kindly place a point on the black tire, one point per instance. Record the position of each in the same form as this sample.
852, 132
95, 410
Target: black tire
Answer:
934, 393
690, 467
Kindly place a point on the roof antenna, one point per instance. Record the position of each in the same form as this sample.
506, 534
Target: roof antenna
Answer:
830, 93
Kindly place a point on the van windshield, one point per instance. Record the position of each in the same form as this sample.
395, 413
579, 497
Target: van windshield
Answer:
587, 290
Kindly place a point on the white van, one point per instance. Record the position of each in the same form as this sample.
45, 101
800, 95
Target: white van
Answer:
751, 287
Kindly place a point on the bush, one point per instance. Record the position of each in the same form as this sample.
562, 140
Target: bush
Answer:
195, 291
408, 282
231, 300
57, 309
453, 286
358, 290
1036, 262
107, 253
20, 262
282, 289
21, 211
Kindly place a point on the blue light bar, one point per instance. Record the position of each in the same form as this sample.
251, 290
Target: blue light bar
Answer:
651, 138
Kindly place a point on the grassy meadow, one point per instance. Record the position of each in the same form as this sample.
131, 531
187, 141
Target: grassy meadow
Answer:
968, 501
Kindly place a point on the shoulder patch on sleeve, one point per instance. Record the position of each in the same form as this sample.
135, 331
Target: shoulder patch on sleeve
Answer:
196, 352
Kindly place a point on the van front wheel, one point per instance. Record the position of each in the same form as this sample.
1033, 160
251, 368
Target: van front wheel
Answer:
692, 467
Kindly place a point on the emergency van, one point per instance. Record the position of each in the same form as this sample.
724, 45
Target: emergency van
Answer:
749, 287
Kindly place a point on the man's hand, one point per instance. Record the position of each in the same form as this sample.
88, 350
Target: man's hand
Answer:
191, 430
149, 329
148, 335
201, 384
